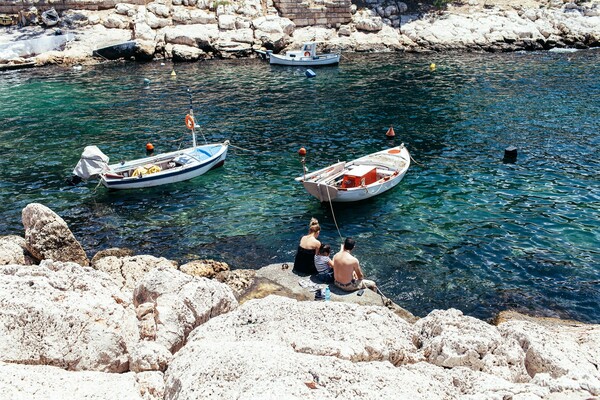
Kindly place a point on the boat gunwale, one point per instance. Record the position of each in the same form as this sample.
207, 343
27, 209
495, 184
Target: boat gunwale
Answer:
169, 173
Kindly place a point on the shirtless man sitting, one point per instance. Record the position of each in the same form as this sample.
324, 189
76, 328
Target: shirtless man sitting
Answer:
346, 270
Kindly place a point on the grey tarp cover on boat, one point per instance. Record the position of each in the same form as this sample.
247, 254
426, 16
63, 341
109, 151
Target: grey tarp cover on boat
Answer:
92, 163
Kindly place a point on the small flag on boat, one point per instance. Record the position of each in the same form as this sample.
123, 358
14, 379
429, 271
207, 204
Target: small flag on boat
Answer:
390, 132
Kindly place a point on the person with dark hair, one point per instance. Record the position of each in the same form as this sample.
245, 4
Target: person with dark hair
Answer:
324, 264
304, 262
347, 272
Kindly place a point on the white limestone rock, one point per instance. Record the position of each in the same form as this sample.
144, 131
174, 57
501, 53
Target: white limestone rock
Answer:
192, 35
159, 9
124, 8
243, 23
65, 315
245, 39
211, 368
155, 22
202, 17
183, 53
185, 16
47, 236
476, 385
12, 250
127, 271
449, 339
250, 8
181, 15
151, 385
370, 333
145, 49
312, 34
149, 356
345, 30
227, 22
181, 303
272, 29
115, 21
561, 356
366, 20
39, 382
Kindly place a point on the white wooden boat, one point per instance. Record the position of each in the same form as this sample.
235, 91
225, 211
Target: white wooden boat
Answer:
176, 166
307, 57
162, 169
360, 179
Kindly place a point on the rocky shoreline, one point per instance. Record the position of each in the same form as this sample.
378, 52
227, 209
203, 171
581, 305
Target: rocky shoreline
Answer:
191, 30
142, 327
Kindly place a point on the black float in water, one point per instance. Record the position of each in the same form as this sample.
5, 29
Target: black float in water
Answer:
510, 154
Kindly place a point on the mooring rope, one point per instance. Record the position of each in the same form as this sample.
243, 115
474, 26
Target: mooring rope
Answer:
333, 214
386, 302
241, 148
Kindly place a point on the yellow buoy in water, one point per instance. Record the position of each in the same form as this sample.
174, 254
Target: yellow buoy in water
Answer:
173, 73
432, 67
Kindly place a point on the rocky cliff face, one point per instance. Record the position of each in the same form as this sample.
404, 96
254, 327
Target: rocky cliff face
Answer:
138, 327
188, 30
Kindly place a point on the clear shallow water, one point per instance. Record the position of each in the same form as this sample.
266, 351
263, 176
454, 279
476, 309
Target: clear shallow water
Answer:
462, 230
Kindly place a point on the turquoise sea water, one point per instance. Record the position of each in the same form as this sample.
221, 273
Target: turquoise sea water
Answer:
462, 230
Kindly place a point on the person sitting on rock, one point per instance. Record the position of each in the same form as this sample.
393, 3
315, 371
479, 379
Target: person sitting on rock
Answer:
304, 262
346, 270
324, 264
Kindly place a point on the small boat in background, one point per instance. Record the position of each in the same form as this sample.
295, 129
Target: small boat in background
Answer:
307, 57
12, 66
162, 169
116, 51
360, 179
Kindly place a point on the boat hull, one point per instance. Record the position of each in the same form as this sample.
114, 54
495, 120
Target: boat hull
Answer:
319, 60
116, 51
201, 160
391, 166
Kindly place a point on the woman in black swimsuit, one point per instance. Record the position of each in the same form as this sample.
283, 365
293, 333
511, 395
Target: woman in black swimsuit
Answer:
304, 262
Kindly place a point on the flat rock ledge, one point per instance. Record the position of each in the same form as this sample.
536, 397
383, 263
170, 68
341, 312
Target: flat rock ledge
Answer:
139, 327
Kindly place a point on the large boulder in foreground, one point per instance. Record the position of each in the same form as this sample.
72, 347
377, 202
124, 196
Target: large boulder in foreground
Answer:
562, 355
281, 348
64, 315
170, 304
12, 250
369, 333
47, 236
127, 271
449, 339
259, 370
27, 382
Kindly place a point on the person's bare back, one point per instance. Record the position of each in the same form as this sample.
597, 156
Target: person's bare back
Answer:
346, 270
344, 267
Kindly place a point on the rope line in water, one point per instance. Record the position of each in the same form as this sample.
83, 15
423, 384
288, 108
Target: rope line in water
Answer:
333, 214
386, 302
241, 148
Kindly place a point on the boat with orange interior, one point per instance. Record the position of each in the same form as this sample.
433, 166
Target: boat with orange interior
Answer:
360, 179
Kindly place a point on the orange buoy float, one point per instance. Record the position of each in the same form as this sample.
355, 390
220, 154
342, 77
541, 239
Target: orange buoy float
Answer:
149, 147
390, 132
307, 54
302, 152
189, 122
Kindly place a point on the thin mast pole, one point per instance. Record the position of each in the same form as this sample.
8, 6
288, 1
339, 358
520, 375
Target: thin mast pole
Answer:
193, 119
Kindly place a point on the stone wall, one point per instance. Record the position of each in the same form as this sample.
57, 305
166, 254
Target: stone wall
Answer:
14, 6
329, 13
